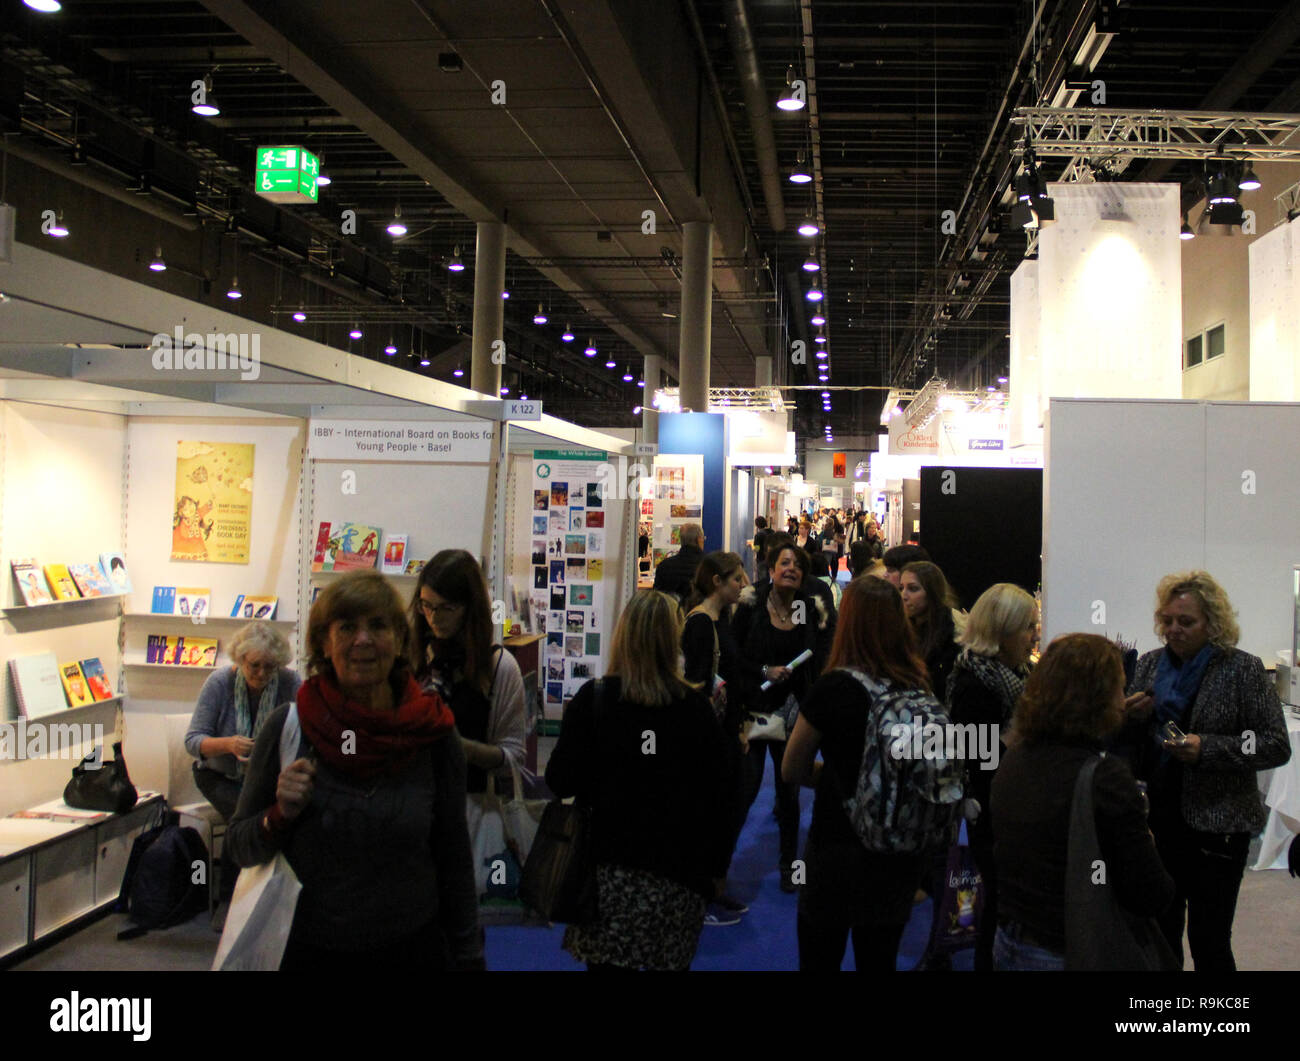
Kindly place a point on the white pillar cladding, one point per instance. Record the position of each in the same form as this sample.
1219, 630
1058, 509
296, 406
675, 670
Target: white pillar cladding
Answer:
1275, 315
1110, 293
1025, 380
762, 371
651, 373
489, 313
697, 315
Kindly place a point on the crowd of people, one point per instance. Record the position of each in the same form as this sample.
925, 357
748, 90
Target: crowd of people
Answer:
409, 710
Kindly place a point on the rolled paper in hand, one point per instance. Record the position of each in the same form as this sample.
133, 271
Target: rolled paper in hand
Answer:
803, 657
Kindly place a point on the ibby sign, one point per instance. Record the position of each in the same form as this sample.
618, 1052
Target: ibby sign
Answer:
213, 351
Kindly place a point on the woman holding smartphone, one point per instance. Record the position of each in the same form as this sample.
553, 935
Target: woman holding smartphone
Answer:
1203, 720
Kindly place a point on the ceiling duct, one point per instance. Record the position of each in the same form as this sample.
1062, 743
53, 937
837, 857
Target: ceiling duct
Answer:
758, 109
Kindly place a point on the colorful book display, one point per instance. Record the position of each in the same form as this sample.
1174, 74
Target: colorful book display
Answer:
96, 679
164, 600
37, 688
194, 601
31, 582
61, 583
394, 554
358, 547
181, 651
90, 580
74, 685
250, 607
114, 567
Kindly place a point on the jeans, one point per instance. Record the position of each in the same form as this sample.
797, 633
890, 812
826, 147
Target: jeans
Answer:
787, 796
1012, 953
1207, 870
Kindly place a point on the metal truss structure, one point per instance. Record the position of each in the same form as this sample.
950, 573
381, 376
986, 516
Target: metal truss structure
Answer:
668, 399
1110, 139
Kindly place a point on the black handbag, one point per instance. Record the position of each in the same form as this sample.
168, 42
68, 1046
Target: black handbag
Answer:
103, 786
1100, 935
558, 880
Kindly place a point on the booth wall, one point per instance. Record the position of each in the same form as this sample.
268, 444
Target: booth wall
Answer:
61, 503
702, 433
1275, 315
1136, 490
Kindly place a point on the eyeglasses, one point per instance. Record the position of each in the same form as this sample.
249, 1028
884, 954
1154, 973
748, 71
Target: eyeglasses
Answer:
260, 668
439, 610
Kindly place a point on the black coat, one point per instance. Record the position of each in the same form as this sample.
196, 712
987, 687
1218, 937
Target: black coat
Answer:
676, 573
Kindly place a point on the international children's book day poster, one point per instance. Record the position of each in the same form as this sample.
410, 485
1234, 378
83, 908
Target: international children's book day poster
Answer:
212, 517
568, 570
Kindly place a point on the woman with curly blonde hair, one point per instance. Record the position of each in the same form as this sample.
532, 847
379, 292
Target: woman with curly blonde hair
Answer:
1203, 720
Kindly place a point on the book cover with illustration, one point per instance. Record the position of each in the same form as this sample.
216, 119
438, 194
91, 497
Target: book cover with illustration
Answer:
252, 607
164, 600
358, 547
322, 558
414, 567
96, 679
394, 554
31, 582
61, 584
114, 567
90, 580
74, 685
194, 601
196, 652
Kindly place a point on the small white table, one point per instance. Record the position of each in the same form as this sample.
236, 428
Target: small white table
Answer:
1280, 788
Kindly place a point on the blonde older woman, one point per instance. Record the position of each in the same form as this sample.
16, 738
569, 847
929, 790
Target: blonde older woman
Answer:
1204, 719
986, 681
233, 704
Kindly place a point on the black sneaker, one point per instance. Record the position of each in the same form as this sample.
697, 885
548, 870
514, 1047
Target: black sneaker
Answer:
731, 906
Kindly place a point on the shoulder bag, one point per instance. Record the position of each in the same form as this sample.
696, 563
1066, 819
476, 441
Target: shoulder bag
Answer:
100, 785
1100, 935
559, 875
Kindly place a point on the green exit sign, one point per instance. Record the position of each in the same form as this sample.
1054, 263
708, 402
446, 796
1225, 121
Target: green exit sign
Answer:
287, 175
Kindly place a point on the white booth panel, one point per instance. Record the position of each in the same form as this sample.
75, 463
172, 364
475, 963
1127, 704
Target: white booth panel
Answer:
1275, 315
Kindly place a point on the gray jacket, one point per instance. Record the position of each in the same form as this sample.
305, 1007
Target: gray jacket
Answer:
1239, 719
214, 714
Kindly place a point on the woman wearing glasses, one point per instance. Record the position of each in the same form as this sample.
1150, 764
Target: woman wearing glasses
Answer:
233, 704
452, 652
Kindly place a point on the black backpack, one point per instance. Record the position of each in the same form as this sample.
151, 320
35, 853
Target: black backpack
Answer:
159, 888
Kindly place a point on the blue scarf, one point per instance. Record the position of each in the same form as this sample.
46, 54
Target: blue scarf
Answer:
244, 724
1176, 686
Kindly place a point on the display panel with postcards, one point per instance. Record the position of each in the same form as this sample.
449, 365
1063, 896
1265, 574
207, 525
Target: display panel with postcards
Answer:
678, 499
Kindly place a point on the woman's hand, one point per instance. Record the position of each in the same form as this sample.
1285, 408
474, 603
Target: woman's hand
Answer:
776, 675
1187, 750
240, 747
293, 789
1139, 705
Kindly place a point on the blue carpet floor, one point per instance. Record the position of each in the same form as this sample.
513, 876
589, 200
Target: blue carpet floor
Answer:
764, 939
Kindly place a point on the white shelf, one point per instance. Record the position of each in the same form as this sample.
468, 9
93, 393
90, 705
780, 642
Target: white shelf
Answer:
330, 574
206, 622
29, 609
169, 666
69, 710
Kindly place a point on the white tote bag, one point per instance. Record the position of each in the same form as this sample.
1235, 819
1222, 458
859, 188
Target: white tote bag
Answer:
266, 896
501, 833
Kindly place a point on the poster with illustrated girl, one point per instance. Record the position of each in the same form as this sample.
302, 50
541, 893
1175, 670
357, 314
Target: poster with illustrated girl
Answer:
212, 513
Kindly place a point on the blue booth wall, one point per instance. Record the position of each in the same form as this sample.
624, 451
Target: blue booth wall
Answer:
705, 434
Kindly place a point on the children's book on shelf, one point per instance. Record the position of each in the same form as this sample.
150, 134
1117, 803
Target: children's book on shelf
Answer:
61, 584
96, 679
181, 651
37, 689
358, 547
323, 557
250, 607
114, 567
74, 685
90, 580
414, 567
394, 554
31, 582
164, 600
194, 601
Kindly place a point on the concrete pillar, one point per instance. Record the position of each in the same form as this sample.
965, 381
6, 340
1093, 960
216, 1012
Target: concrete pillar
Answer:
489, 308
762, 372
651, 373
696, 315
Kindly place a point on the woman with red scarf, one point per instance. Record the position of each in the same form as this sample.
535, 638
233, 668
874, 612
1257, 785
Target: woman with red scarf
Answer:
371, 812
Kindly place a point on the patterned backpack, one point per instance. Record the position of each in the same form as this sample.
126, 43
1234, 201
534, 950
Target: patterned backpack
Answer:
903, 804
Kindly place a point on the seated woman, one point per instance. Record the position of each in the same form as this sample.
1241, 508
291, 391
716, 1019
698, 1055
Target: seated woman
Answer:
371, 813
1074, 699
234, 703
661, 823
453, 653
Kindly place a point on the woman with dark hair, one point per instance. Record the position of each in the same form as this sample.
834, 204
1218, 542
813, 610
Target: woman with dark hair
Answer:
850, 889
371, 812
644, 751
931, 608
1072, 701
775, 623
710, 652
452, 652
1205, 719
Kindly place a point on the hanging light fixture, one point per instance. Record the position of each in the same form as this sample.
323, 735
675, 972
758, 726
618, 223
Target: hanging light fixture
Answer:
610, 363
591, 349
819, 338
391, 348
356, 332
627, 374
811, 264
567, 337
396, 227
790, 100
505, 294
300, 314
817, 320
540, 316
233, 293
455, 265
158, 265
505, 391
58, 230
809, 227
45, 7
814, 294
799, 174
1186, 232
207, 105
459, 372
1249, 182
